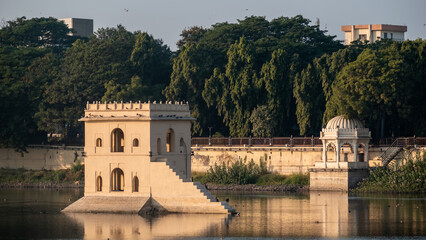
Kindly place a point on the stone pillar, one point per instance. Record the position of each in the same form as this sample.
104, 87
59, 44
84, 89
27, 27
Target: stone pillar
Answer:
338, 153
355, 148
366, 153
324, 152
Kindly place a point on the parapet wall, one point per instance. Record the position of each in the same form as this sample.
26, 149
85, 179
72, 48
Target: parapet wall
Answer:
140, 109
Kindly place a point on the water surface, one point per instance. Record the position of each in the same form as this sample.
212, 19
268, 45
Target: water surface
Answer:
32, 213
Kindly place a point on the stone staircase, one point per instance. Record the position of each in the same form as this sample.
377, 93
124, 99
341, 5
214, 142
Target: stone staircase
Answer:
394, 151
198, 189
212, 198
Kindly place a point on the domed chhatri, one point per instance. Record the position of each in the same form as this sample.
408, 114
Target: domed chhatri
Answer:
344, 155
347, 136
344, 123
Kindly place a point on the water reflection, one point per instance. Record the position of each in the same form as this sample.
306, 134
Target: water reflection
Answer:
31, 213
326, 214
126, 226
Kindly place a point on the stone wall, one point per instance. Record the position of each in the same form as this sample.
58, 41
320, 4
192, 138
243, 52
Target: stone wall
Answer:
283, 160
41, 157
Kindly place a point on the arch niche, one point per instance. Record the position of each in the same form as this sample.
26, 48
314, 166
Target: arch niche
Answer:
117, 180
99, 184
117, 140
135, 184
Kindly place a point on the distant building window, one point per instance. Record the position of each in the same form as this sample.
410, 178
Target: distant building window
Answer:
98, 142
135, 142
385, 35
391, 35
362, 37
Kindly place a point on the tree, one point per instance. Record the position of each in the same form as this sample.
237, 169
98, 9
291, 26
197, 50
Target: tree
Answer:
17, 96
114, 65
35, 32
276, 83
234, 92
262, 121
381, 87
282, 46
310, 101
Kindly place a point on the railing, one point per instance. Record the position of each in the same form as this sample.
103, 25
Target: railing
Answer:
298, 141
277, 141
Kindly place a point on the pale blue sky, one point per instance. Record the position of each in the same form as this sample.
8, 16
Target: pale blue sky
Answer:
165, 19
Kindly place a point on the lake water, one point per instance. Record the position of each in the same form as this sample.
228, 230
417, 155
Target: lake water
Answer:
35, 214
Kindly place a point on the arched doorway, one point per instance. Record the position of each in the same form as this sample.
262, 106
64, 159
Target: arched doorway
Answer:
170, 142
135, 184
331, 152
99, 184
117, 180
346, 152
361, 152
117, 140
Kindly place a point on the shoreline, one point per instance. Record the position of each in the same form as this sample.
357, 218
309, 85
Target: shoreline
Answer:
258, 188
41, 185
209, 186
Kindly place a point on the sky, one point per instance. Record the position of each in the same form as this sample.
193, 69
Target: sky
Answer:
165, 19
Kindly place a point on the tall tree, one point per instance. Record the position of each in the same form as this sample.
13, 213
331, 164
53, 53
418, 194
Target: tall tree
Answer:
296, 43
237, 97
310, 101
35, 32
381, 87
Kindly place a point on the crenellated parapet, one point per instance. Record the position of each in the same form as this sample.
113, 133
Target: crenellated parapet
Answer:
156, 110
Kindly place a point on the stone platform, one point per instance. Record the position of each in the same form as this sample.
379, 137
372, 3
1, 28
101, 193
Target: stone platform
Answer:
336, 179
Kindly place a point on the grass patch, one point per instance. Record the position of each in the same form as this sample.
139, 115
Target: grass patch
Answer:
406, 177
75, 173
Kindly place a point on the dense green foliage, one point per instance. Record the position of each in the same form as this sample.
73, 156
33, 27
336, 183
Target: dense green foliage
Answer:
239, 172
251, 78
243, 172
406, 177
385, 88
72, 175
230, 69
46, 76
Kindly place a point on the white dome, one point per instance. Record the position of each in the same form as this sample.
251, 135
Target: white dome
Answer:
343, 123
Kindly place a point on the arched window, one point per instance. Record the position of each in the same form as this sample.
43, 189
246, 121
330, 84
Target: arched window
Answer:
117, 180
135, 184
170, 140
117, 140
135, 142
99, 184
99, 142
159, 146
